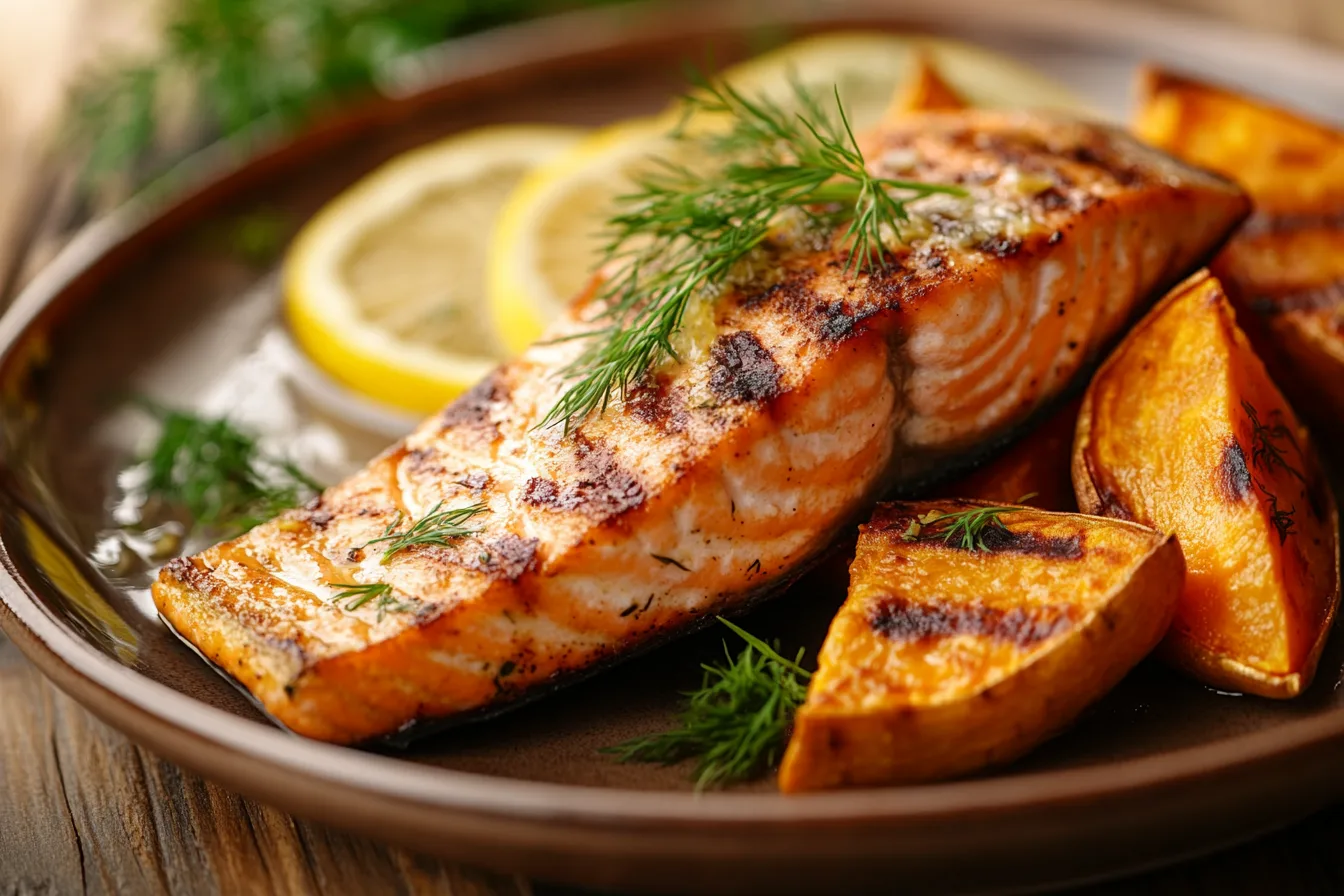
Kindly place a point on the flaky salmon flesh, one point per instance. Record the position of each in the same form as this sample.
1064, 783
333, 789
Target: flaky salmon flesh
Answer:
804, 393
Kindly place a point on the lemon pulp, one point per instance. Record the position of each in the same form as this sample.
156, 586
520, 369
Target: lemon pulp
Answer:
384, 287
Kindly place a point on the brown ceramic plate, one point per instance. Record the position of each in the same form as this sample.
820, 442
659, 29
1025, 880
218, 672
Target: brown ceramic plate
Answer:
152, 301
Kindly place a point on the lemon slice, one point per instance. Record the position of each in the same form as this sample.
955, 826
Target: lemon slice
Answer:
549, 234
383, 286
867, 67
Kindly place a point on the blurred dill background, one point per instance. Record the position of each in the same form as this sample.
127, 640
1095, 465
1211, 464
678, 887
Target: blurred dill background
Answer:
99, 97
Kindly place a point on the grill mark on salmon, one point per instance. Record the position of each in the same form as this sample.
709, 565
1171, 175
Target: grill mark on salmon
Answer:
830, 320
508, 556
658, 403
476, 481
475, 406
743, 370
602, 487
872, 383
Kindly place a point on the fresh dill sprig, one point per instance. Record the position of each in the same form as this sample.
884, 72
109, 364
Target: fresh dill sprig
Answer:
437, 527
1283, 521
357, 595
1267, 454
736, 723
218, 473
964, 528
684, 230
1265, 437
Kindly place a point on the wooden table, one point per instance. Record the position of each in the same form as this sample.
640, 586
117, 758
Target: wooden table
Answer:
82, 810
86, 811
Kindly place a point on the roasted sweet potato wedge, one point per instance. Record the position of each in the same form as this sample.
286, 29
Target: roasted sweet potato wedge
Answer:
1035, 470
945, 659
1183, 430
1285, 270
1289, 164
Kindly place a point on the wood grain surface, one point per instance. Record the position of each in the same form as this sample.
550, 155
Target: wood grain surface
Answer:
82, 810
86, 811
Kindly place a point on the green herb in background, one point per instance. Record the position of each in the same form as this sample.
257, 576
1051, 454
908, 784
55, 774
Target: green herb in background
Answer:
735, 725
218, 474
259, 237
243, 60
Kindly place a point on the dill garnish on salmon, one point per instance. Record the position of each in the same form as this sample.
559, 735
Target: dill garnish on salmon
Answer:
862, 341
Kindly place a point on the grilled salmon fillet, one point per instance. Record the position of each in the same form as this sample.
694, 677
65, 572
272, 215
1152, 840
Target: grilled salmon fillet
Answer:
803, 394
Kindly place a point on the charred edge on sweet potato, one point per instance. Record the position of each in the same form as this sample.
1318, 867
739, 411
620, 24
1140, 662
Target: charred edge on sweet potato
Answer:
898, 619
1234, 477
1052, 547
1109, 503
995, 538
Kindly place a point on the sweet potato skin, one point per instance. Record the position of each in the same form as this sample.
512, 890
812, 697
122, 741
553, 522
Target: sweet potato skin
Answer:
1182, 429
1285, 270
944, 661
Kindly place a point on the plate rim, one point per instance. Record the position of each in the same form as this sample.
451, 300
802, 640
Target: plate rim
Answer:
40, 637
92, 678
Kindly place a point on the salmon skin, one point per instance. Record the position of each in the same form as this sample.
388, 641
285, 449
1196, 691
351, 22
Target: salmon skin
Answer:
804, 393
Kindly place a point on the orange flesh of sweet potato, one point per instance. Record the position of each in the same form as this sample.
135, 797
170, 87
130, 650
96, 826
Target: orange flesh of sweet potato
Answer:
1288, 164
945, 660
1036, 465
1183, 430
1285, 269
